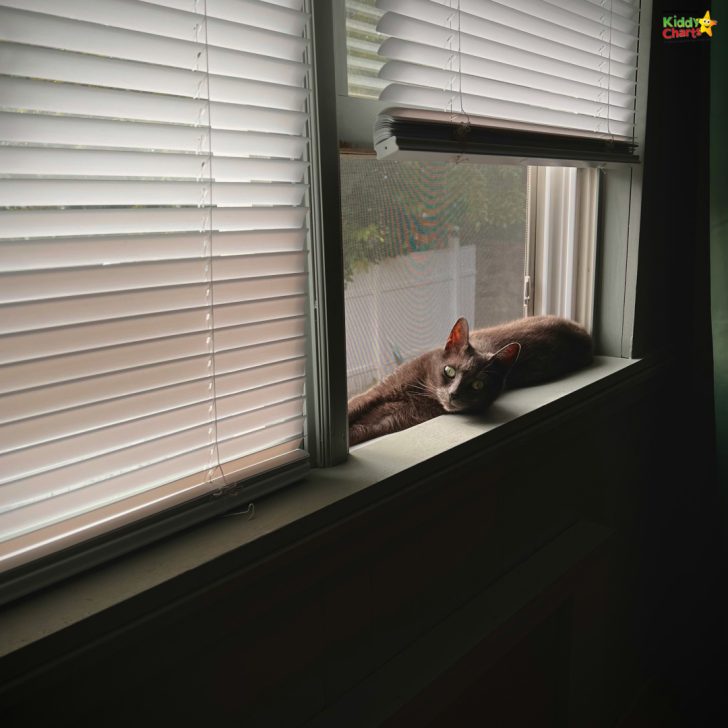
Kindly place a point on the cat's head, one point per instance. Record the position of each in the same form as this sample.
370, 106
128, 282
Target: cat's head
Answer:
465, 380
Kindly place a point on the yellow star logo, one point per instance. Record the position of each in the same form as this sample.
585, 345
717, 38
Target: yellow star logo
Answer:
706, 24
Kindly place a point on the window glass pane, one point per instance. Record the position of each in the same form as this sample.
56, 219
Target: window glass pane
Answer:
425, 243
362, 49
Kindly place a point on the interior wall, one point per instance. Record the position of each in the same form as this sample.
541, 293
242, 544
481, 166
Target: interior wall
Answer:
673, 311
719, 242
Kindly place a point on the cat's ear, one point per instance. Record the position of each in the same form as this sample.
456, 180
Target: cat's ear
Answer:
459, 337
508, 355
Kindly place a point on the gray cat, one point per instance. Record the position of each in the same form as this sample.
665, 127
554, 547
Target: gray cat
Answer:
469, 373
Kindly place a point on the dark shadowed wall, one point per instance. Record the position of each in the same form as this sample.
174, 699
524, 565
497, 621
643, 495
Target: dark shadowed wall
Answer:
719, 239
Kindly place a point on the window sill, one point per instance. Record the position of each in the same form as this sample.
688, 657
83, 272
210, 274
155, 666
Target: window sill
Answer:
32, 630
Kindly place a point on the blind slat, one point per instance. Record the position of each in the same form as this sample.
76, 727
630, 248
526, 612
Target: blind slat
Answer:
42, 223
24, 255
42, 313
85, 403
601, 13
144, 355
584, 69
65, 98
55, 162
70, 395
256, 34
261, 13
145, 138
193, 433
20, 26
41, 63
125, 277
532, 13
155, 474
53, 449
553, 76
66, 192
422, 29
449, 101
627, 9
489, 90
485, 17
87, 336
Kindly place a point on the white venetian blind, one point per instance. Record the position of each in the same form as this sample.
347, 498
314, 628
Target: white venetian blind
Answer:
152, 242
562, 65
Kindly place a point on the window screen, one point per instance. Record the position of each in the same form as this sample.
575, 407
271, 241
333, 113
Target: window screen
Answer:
425, 243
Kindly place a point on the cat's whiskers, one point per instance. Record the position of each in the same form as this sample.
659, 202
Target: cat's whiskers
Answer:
423, 389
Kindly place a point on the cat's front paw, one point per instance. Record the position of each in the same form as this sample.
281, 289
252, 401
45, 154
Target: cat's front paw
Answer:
357, 434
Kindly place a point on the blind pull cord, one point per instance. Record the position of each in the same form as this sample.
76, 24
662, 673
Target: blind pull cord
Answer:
215, 470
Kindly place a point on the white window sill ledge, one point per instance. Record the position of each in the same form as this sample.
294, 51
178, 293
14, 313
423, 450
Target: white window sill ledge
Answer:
374, 470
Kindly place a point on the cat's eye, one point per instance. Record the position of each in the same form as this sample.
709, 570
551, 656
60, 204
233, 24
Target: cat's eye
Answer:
449, 372
478, 384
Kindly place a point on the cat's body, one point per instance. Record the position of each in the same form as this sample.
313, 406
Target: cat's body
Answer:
551, 347
469, 373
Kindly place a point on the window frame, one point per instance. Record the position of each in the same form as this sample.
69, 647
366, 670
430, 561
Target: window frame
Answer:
327, 425
576, 210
